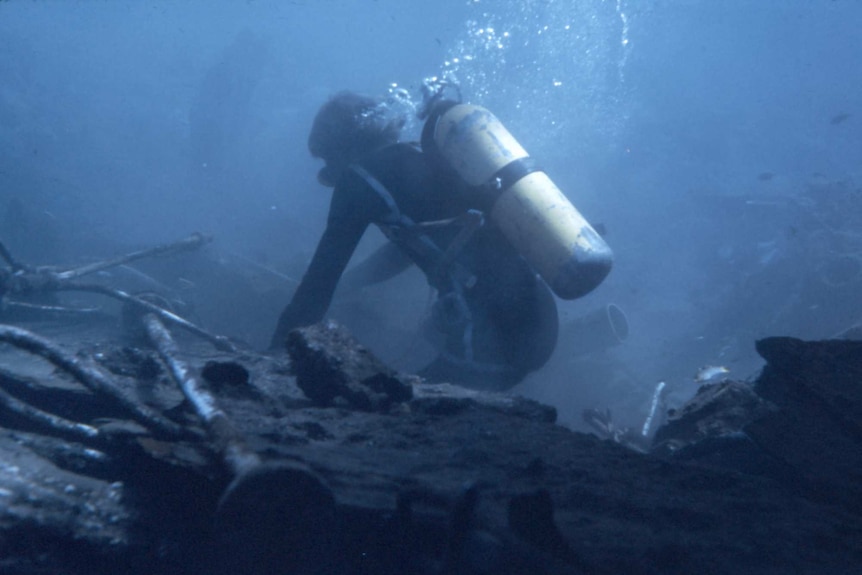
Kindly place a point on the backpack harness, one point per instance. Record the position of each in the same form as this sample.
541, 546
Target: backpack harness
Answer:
450, 278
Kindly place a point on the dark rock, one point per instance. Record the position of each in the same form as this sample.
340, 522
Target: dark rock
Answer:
718, 410
56, 520
825, 373
448, 399
854, 332
817, 431
229, 378
798, 424
531, 517
452, 481
132, 362
225, 374
332, 368
276, 518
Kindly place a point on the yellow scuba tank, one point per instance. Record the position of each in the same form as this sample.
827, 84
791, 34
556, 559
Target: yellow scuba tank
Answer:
532, 212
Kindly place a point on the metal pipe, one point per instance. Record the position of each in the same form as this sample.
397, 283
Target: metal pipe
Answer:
239, 458
280, 505
90, 378
219, 341
80, 431
656, 398
192, 242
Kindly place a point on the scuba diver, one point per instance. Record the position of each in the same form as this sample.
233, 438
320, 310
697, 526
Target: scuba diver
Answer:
495, 317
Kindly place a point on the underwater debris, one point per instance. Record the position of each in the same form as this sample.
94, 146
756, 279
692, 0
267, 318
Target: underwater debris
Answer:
708, 372
91, 378
603, 424
23, 280
332, 368
656, 400
286, 497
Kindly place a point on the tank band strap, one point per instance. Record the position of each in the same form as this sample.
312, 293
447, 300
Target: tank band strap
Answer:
503, 179
508, 175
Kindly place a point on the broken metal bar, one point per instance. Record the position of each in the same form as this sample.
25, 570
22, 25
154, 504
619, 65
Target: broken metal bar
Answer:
601, 421
12, 307
230, 443
151, 282
284, 499
90, 378
192, 242
219, 341
656, 399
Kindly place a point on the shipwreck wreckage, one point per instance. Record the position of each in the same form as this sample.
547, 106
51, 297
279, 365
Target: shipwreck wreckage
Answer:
145, 444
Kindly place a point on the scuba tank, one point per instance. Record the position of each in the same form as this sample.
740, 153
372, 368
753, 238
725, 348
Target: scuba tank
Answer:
530, 210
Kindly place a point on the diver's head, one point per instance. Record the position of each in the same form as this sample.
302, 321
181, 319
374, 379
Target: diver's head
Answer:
348, 126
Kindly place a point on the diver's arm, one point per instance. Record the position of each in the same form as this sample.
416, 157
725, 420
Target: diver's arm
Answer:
385, 263
315, 291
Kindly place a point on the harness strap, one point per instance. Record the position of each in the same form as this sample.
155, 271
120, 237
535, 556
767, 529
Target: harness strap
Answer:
439, 266
443, 272
394, 214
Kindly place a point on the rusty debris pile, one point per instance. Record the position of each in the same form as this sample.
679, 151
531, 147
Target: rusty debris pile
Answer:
140, 443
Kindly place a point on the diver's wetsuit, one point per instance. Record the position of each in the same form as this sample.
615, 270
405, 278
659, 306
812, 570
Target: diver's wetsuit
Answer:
513, 326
